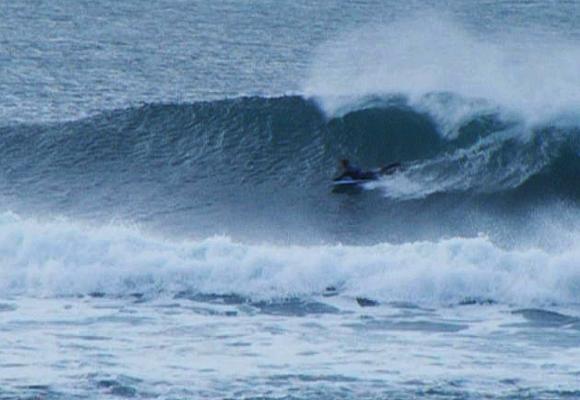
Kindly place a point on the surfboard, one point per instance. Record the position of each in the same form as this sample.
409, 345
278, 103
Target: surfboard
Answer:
351, 182
379, 172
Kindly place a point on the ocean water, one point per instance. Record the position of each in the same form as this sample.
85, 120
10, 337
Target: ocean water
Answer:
168, 228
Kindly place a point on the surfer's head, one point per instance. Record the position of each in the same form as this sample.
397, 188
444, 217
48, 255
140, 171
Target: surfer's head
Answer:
345, 163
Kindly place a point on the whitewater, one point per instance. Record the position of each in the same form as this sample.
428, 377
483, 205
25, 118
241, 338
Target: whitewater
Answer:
168, 227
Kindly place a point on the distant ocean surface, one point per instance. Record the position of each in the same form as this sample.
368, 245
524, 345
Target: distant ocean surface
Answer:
168, 227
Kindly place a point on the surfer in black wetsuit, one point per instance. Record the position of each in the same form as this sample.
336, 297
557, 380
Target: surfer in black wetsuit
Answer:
357, 174
354, 173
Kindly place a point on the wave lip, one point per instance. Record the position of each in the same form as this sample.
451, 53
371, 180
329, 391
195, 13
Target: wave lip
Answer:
431, 53
64, 258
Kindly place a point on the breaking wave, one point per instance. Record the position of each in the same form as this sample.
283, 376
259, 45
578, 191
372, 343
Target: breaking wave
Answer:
224, 146
61, 258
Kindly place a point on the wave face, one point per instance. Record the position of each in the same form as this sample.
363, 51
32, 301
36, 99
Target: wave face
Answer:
263, 165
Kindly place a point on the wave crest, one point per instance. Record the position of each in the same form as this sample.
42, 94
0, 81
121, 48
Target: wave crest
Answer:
431, 53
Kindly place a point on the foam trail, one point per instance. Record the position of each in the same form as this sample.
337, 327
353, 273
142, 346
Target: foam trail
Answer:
431, 54
65, 258
496, 163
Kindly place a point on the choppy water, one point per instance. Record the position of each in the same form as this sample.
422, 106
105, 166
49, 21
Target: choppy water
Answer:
219, 348
168, 228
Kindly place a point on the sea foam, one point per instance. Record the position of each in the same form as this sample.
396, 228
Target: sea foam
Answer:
63, 258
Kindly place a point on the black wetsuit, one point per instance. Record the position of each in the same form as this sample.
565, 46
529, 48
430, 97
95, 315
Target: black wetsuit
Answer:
356, 174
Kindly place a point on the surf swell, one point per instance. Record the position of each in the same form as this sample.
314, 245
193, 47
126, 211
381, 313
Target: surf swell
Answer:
286, 142
260, 168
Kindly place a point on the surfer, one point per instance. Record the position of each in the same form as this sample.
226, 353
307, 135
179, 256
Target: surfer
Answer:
357, 174
354, 173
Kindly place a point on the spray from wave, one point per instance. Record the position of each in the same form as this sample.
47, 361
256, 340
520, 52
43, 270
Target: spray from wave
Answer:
429, 54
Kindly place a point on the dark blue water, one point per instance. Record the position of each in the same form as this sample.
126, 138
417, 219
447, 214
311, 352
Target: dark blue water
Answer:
166, 200
261, 168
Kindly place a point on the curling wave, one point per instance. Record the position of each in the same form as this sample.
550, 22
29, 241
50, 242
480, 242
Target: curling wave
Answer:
261, 168
285, 142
